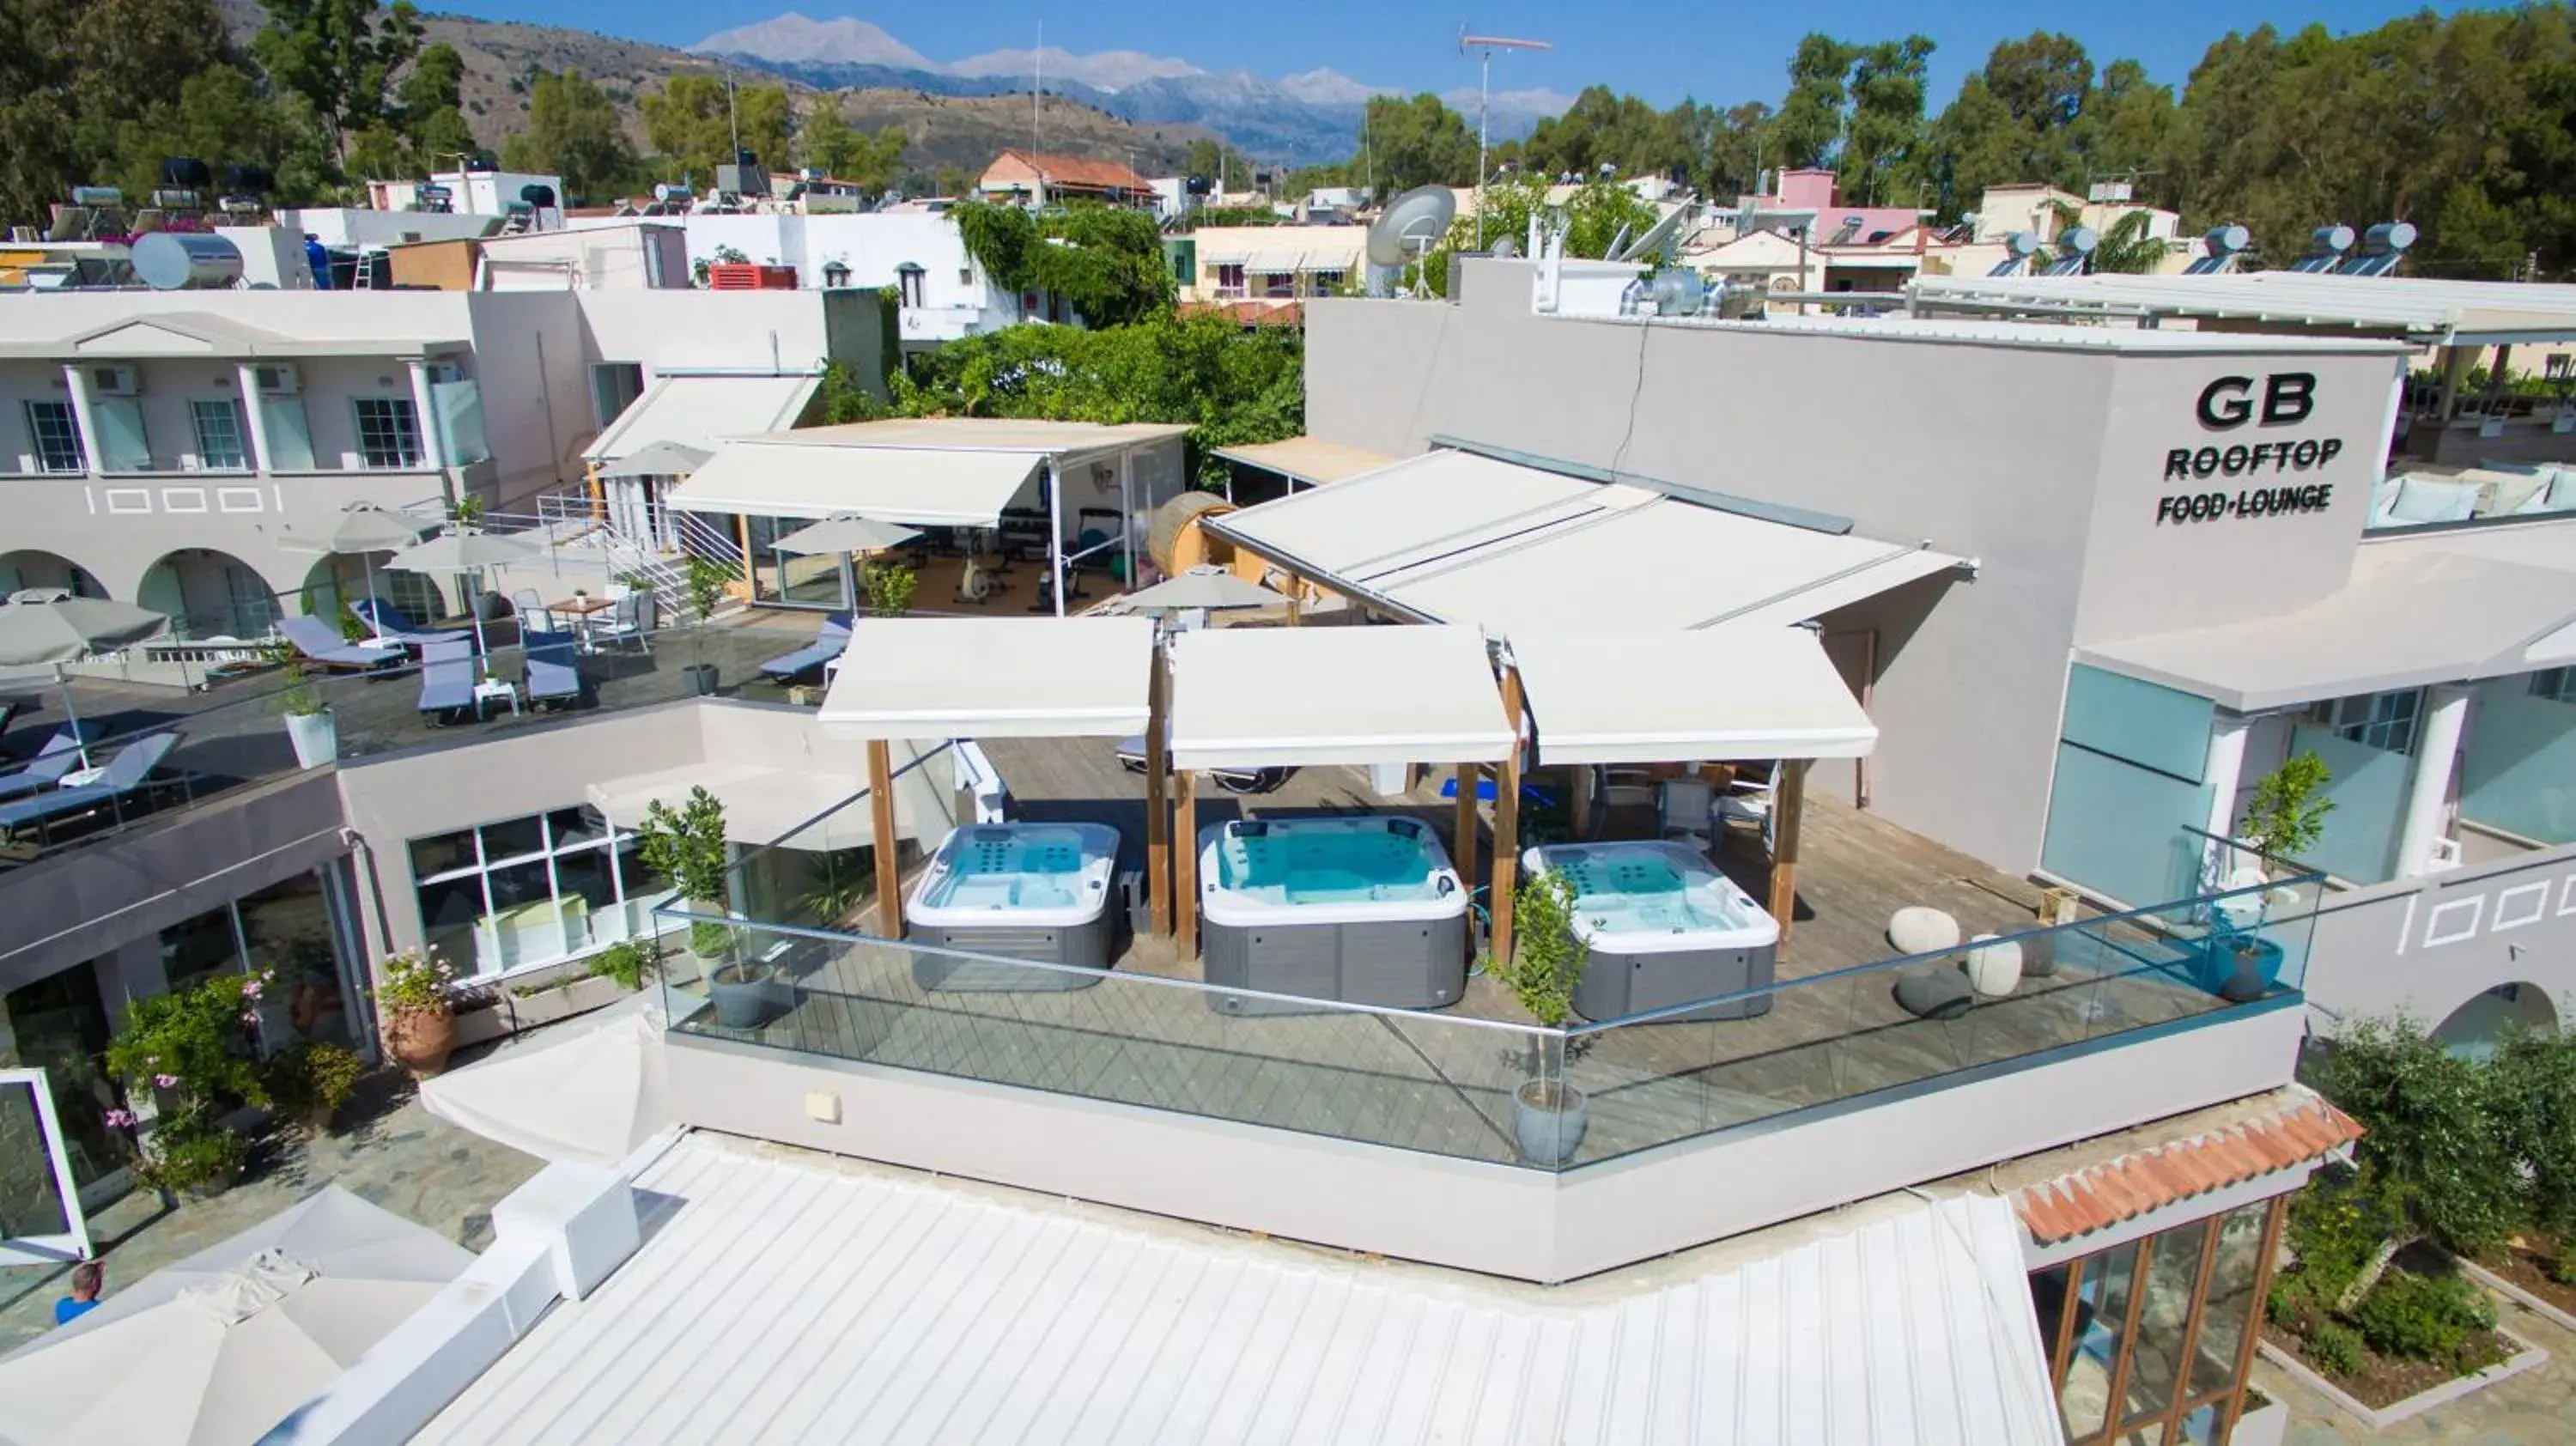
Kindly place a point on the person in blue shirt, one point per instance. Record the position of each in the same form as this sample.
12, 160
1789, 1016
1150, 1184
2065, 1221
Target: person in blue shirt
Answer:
87, 1278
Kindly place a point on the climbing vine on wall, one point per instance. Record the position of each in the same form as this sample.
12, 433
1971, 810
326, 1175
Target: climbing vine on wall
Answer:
1106, 262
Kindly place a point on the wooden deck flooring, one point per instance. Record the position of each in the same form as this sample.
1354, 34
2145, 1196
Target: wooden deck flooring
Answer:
1442, 1082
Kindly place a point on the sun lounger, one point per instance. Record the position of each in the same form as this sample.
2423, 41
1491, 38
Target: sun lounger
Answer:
827, 645
130, 771
60, 755
1131, 756
553, 675
446, 678
389, 623
321, 645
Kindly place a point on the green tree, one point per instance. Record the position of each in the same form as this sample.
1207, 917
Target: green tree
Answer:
432, 114
1107, 262
873, 160
2431, 1150
1808, 130
40, 160
1211, 157
1592, 217
339, 56
689, 122
1886, 125
1419, 142
574, 132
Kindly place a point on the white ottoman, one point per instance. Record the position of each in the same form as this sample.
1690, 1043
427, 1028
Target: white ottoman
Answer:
1993, 969
1922, 931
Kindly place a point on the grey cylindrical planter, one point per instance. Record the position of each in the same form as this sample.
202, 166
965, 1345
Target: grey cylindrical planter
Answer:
743, 1001
1549, 1136
702, 679
315, 736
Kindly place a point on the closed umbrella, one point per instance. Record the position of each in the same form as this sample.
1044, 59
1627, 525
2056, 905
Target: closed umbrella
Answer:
363, 531
846, 533
464, 552
50, 625
219, 1348
661, 459
589, 1091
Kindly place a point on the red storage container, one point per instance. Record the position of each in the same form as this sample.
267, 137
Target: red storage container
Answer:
742, 276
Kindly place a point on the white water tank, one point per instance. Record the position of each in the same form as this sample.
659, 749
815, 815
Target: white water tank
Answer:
186, 261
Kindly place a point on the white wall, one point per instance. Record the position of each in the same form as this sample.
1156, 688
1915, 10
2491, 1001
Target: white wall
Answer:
872, 245
347, 226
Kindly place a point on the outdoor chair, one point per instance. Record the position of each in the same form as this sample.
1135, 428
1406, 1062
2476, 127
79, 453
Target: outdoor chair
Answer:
394, 626
129, 772
60, 755
446, 678
554, 676
1131, 756
828, 643
630, 620
322, 645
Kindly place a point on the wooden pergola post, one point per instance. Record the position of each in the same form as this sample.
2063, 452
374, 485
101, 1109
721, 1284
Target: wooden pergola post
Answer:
750, 569
1185, 863
1507, 820
1465, 828
598, 493
881, 821
1788, 807
1579, 806
1296, 591
1158, 768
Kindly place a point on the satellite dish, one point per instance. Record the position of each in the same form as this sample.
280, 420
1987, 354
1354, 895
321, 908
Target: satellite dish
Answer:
1414, 223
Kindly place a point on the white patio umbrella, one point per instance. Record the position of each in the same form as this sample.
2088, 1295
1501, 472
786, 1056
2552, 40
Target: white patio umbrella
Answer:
661, 459
217, 1349
463, 552
1213, 588
50, 625
846, 533
588, 1091
364, 530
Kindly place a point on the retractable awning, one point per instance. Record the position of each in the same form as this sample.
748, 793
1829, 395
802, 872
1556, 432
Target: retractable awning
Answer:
1293, 697
1308, 459
1460, 538
1745, 691
919, 487
993, 678
765, 805
701, 412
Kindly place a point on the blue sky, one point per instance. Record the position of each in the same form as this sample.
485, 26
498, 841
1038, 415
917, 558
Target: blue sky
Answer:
1661, 49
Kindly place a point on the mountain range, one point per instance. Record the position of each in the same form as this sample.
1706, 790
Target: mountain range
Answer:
1298, 119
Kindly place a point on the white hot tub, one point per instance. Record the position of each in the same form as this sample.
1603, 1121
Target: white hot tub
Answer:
1019, 890
1664, 928
1365, 909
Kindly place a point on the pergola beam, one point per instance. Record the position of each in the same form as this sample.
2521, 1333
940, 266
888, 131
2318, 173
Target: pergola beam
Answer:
1158, 771
881, 819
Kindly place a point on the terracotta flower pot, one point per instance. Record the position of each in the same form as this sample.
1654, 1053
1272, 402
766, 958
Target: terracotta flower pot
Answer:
421, 1041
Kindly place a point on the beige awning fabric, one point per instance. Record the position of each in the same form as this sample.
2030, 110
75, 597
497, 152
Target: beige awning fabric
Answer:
1291, 697
701, 412
766, 805
1308, 459
2408, 618
1460, 538
933, 678
914, 486
1744, 691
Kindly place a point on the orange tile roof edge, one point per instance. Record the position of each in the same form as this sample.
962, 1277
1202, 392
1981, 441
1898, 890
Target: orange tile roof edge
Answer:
2101, 1196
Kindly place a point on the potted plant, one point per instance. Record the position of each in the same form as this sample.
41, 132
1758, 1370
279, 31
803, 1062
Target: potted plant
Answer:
890, 586
836, 888
419, 1017
687, 846
310, 1082
310, 726
629, 962
195, 1055
1547, 961
2284, 818
706, 585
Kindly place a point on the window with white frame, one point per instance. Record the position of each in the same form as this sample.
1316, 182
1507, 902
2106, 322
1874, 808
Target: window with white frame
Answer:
1229, 279
56, 428
218, 425
388, 433
533, 890
2385, 721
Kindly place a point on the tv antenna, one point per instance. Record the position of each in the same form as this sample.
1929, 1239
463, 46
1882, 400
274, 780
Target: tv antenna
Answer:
1486, 45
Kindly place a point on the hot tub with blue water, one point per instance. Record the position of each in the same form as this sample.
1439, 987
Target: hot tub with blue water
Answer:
1365, 909
1664, 928
1019, 891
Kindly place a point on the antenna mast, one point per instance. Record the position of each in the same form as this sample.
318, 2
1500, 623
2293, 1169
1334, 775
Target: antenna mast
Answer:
1488, 44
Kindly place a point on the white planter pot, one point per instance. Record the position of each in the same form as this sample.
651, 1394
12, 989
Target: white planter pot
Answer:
1549, 1136
1994, 966
316, 737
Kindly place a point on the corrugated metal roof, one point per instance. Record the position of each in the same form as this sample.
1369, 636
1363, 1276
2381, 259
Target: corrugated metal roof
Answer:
2422, 308
788, 1300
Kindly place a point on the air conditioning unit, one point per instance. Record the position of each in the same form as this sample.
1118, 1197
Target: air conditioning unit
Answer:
277, 379
115, 381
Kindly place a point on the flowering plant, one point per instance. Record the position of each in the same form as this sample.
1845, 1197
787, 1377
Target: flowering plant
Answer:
412, 982
196, 1053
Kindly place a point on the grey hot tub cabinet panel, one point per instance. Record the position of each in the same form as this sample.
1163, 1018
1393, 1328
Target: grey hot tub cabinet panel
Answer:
1083, 948
1393, 964
1615, 986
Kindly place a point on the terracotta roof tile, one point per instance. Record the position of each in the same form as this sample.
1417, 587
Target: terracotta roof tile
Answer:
2102, 1195
1080, 171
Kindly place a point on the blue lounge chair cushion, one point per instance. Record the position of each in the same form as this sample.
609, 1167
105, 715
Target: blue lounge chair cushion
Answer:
446, 676
323, 644
124, 773
829, 643
552, 671
391, 622
60, 755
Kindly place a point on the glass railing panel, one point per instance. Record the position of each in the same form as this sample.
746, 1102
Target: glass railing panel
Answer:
2518, 767
1429, 1083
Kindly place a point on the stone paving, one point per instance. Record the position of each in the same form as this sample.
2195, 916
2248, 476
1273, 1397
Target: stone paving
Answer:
2536, 1407
387, 1150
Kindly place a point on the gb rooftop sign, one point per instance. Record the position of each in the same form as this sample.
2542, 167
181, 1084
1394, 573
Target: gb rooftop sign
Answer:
2251, 434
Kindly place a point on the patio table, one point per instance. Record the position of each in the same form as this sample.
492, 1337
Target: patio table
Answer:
580, 609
